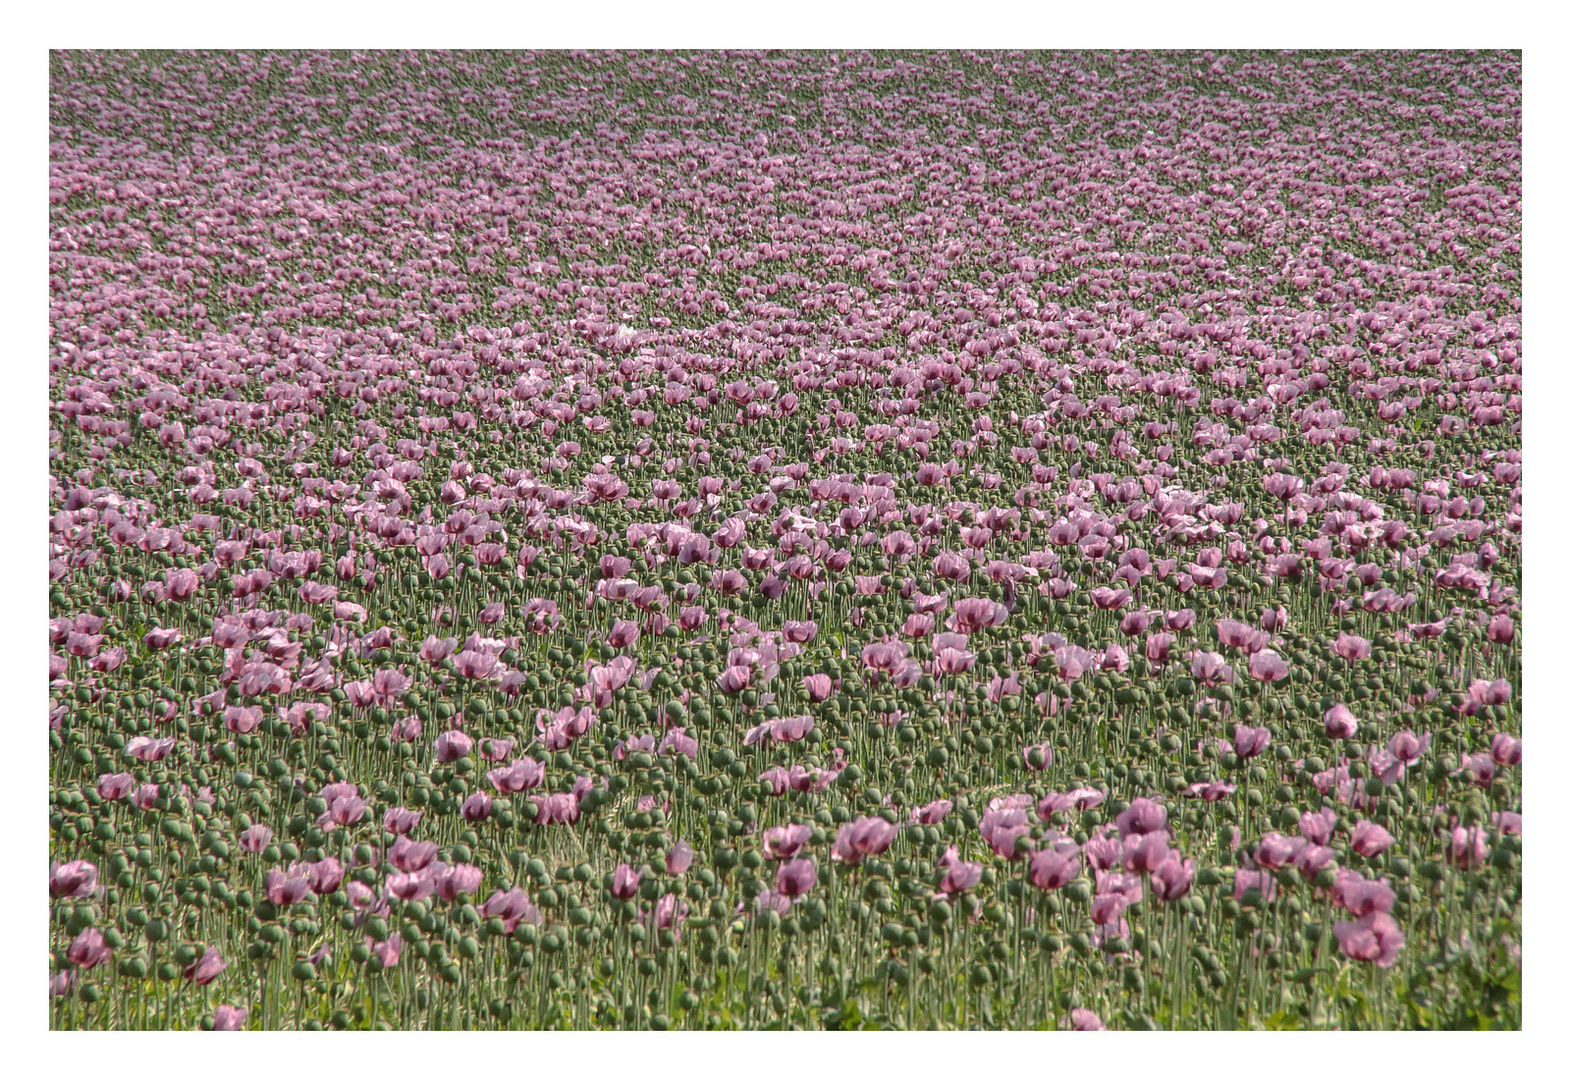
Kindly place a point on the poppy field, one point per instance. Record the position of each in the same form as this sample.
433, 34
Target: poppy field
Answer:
772, 540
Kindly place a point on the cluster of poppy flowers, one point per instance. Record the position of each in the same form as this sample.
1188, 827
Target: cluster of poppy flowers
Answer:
1039, 570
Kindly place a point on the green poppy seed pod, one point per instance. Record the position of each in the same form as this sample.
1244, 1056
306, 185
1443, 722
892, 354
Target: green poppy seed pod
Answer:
168, 972
82, 916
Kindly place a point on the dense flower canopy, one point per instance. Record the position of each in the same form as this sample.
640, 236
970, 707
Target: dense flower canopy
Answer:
549, 539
